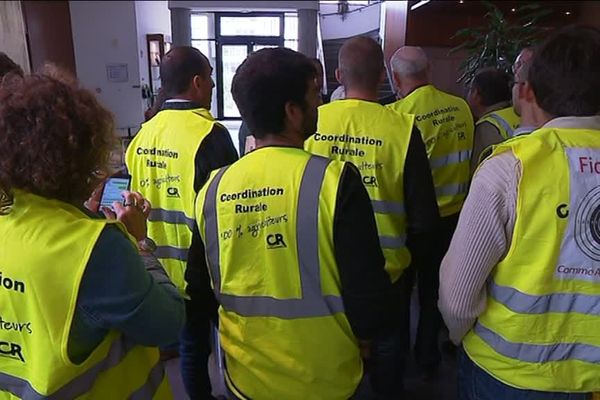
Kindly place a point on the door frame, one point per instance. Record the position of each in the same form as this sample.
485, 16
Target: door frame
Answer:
247, 40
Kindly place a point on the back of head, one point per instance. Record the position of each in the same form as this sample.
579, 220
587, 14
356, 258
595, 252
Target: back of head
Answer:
8, 66
360, 62
178, 68
265, 82
564, 72
493, 86
410, 62
55, 135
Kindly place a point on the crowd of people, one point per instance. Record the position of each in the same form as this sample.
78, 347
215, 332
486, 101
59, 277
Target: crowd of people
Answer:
287, 273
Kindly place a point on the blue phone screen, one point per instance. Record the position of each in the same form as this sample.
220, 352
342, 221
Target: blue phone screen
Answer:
112, 191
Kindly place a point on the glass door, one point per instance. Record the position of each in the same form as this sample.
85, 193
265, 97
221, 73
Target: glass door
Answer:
237, 36
233, 56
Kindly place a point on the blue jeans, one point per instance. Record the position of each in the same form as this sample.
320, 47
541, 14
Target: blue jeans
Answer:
476, 384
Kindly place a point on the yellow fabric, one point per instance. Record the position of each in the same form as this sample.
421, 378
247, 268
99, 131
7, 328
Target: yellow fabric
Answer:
375, 139
166, 178
549, 258
45, 246
508, 115
268, 357
446, 125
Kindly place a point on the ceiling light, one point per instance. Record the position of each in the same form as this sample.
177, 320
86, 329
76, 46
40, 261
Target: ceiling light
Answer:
419, 4
513, 9
568, 13
461, 1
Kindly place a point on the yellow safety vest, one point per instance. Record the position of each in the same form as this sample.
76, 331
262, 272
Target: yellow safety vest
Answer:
376, 140
45, 246
539, 330
505, 120
446, 126
267, 223
161, 161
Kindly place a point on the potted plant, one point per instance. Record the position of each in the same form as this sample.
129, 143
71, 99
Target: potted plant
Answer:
498, 43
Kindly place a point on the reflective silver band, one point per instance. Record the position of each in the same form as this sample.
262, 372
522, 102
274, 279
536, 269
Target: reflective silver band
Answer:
523, 303
171, 252
392, 242
265, 306
171, 217
312, 303
387, 207
538, 353
155, 378
449, 159
83, 383
452, 189
504, 123
211, 230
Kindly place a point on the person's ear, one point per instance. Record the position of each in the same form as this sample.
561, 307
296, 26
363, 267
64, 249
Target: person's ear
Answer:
293, 114
526, 92
197, 81
397, 80
338, 76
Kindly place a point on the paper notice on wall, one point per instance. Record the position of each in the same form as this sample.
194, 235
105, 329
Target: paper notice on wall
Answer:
117, 72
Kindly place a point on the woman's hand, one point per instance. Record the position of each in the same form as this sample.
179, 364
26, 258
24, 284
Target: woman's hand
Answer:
133, 213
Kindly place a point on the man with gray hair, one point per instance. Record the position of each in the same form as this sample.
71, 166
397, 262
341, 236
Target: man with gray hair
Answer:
446, 126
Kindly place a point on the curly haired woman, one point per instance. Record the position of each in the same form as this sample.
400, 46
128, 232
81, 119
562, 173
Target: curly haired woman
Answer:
81, 315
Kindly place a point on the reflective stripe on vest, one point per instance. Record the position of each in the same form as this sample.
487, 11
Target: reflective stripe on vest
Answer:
538, 353
503, 123
446, 126
115, 367
174, 253
171, 217
375, 139
312, 303
505, 120
524, 303
81, 384
449, 159
161, 160
387, 207
539, 328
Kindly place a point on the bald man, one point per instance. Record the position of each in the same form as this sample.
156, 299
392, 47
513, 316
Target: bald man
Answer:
446, 126
172, 155
390, 155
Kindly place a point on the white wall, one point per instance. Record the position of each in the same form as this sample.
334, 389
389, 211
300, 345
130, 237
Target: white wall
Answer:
12, 33
151, 17
104, 32
240, 5
355, 23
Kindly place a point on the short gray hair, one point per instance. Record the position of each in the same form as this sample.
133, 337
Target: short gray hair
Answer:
409, 61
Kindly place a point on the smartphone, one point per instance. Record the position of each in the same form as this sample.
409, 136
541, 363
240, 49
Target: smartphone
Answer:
113, 188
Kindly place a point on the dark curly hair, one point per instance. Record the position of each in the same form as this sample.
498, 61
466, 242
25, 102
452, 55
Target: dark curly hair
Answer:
54, 136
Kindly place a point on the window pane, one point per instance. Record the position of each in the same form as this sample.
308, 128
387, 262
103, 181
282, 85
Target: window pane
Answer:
233, 56
199, 26
250, 26
291, 44
291, 27
258, 47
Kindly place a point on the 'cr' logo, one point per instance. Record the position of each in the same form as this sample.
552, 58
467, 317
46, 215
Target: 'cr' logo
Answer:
11, 350
369, 180
172, 192
275, 241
